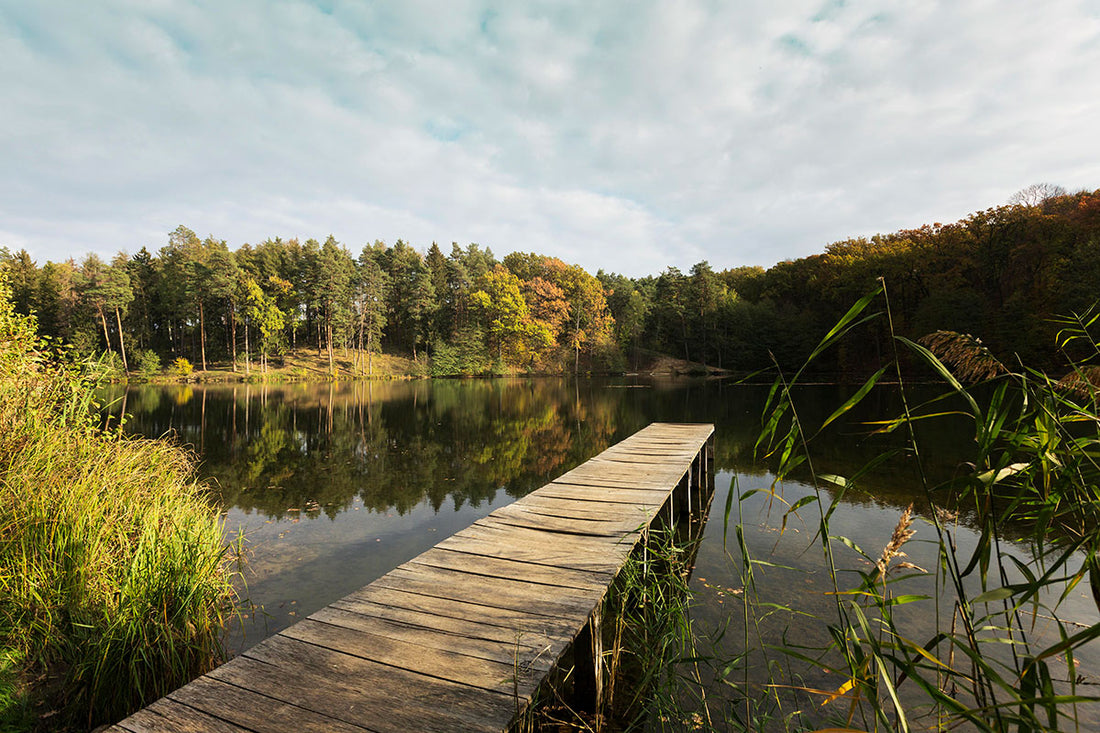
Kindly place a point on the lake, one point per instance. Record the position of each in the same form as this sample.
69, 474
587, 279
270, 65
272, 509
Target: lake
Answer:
333, 485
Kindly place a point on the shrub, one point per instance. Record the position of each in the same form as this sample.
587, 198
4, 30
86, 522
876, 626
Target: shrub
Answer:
146, 363
182, 367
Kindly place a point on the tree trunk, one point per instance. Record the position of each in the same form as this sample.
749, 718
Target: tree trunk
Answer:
328, 339
121, 344
577, 344
103, 320
370, 348
233, 337
704, 353
247, 353
359, 342
202, 336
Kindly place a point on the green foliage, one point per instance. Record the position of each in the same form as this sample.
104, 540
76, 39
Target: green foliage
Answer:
182, 367
146, 363
111, 560
15, 709
464, 357
264, 315
516, 339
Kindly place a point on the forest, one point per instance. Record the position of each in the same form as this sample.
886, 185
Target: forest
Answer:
1002, 275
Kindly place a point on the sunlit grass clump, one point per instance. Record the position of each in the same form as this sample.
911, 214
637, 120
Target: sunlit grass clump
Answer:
113, 572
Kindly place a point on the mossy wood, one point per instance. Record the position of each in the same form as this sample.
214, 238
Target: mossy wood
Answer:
462, 636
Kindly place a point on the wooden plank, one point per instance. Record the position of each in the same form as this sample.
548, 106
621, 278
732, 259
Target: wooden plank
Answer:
634, 459
554, 506
502, 568
534, 629
484, 544
169, 716
649, 499
573, 527
601, 480
652, 474
565, 509
359, 694
464, 637
544, 548
500, 593
254, 711
486, 664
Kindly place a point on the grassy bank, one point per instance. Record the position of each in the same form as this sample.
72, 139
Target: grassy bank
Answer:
113, 572
306, 365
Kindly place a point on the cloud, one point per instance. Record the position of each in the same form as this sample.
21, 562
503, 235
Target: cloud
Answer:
623, 136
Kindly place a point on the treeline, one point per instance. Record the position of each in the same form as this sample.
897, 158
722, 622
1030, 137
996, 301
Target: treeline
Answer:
1002, 275
197, 299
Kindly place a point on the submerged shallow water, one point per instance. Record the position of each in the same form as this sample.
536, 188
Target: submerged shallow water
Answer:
333, 485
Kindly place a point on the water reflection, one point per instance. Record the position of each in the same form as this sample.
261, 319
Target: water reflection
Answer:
336, 484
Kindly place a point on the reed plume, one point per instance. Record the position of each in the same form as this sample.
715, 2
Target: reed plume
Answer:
1082, 381
902, 534
969, 358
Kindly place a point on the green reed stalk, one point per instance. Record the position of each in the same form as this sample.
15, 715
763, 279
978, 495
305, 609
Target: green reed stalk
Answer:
1036, 460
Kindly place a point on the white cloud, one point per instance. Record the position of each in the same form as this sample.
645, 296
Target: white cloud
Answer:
627, 136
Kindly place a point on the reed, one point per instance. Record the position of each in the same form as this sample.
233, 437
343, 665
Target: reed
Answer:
1035, 462
114, 574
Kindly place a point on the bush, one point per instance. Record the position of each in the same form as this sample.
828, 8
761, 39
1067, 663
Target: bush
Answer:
182, 367
110, 368
465, 356
146, 363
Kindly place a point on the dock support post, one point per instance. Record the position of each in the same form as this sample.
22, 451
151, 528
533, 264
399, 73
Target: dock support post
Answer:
588, 664
709, 448
681, 498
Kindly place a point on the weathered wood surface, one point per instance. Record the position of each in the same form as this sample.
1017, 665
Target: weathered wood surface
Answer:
460, 637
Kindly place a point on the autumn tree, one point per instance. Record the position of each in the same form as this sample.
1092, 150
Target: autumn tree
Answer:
517, 338
1036, 194
589, 319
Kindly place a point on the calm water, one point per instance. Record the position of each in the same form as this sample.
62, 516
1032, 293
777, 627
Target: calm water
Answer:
334, 485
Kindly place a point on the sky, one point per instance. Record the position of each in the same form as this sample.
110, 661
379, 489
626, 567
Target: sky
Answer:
625, 136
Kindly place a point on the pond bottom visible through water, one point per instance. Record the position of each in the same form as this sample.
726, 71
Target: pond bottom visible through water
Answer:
334, 485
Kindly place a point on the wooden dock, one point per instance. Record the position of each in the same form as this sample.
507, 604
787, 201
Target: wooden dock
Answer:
462, 636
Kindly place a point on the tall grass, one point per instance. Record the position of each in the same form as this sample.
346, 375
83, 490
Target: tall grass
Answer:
1034, 462
113, 569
